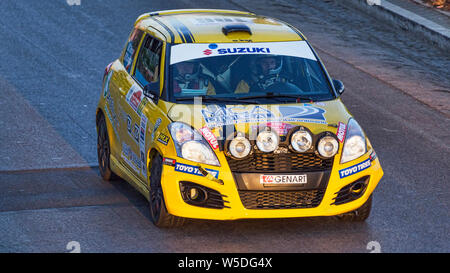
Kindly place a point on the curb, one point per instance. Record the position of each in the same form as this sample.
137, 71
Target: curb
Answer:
50, 168
412, 22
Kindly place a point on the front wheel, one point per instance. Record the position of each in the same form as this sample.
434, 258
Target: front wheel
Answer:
158, 211
104, 151
358, 215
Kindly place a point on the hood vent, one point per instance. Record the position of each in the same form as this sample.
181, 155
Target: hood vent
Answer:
236, 28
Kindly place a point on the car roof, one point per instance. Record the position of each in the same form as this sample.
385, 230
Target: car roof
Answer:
216, 26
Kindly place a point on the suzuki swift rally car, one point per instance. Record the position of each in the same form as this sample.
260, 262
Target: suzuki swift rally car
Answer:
219, 114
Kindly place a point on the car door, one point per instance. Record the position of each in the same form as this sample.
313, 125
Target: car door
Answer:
141, 113
117, 84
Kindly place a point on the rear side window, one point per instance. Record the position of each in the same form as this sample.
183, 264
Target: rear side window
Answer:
131, 48
147, 65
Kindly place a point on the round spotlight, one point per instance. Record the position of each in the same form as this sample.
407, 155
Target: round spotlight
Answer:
240, 147
267, 141
328, 146
193, 193
301, 141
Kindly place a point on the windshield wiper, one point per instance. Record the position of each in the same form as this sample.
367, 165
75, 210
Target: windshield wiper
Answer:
276, 96
219, 99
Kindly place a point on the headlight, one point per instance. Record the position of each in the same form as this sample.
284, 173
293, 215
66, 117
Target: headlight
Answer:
267, 141
301, 141
191, 145
355, 142
198, 152
239, 147
328, 146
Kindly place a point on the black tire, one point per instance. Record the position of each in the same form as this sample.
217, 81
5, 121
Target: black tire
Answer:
359, 215
104, 151
158, 211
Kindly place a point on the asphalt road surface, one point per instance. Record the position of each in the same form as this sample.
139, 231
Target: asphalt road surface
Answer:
52, 58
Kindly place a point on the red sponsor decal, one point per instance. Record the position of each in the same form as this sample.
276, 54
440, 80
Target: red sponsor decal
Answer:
284, 179
267, 178
280, 127
207, 52
136, 99
341, 131
169, 161
210, 137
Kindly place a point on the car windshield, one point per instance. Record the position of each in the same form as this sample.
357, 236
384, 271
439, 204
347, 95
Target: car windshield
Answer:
262, 72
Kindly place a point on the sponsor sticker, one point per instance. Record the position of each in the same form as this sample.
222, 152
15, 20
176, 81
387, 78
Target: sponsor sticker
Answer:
133, 130
341, 131
169, 161
280, 127
108, 114
143, 103
355, 169
190, 51
373, 156
157, 124
179, 167
207, 52
283, 179
142, 130
163, 139
132, 159
216, 116
136, 132
129, 123
210, 137
111, 113
220, 20
302, 113
134, 97
243, 50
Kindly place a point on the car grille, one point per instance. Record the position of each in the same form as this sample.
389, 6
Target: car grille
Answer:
282, 162
281, 199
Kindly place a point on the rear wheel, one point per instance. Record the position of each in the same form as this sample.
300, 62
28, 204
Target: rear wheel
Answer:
104, 151
359, 215
158, 211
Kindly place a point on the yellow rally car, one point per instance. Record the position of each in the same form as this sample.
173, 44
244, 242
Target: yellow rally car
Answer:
220, 114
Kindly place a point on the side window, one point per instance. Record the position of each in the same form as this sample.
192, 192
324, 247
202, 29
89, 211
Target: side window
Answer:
131, 48
147, 65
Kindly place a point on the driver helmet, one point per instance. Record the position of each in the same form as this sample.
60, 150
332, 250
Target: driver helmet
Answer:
268, 65
187, 71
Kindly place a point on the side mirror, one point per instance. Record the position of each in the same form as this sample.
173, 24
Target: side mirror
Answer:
339, 86
151, 90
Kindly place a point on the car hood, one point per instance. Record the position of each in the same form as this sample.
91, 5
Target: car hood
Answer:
317, 116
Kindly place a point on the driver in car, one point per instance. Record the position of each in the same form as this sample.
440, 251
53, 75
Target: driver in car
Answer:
188, 76
265, 72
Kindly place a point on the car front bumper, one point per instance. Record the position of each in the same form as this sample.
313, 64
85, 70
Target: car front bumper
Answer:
340, 176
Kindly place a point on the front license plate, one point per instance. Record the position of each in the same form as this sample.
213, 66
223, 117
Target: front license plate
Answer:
283, 179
